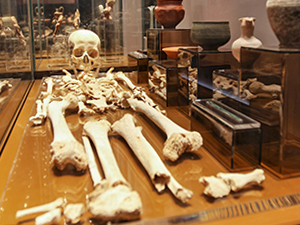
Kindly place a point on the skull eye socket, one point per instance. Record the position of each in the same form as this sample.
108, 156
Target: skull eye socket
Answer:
93, 53
78, 52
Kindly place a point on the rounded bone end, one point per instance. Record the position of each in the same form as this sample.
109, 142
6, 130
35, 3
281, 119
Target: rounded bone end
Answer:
71, 152
184, 195
178, 143
215, 187
73, 212
116, 204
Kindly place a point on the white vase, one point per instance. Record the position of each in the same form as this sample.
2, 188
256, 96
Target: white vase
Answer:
246, 39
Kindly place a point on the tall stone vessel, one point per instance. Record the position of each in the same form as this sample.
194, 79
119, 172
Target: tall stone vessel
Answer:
284, 18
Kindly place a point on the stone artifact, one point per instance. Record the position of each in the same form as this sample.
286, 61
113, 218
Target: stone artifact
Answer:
223, 183
284, 19
9, 26
159, 174
58, 19
76, 21
107, 10
151, 9
65, 149
113, 199
178, 140
247, 38
169, 13
210, 35
268, 91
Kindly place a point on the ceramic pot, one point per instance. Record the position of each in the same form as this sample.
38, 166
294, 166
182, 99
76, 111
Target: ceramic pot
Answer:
169, 13
210, 35
247, 39
284, 19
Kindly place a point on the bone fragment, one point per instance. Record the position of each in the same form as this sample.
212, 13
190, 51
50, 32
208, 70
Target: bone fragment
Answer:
58, 203
273, 105
40, 116
148, 157
93, 168
51, 217
178, 140
4, 85
65, 149
43, 103
73, 212
259, 88
115, 204
214, 187
237, 181
138, 92
113, 200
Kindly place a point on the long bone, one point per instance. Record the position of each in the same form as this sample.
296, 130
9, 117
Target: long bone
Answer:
155, 168
58, 203
113, 198
42, 105
237, 181
65, 149
51, 217
178, 140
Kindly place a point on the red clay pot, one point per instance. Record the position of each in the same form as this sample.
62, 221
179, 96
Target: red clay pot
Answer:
169, 13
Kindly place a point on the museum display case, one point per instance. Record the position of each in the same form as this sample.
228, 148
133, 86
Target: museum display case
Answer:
163, 79
15, 64
266, 90
233, 138
75, 112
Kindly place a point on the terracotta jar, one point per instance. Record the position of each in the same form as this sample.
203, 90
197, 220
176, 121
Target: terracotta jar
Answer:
247, 38
284, 19
169, 13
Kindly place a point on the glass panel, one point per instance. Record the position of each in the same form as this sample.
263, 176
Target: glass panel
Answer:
15, 62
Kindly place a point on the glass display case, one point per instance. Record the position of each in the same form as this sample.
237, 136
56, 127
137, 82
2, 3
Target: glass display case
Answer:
268, 93
233, 138
54, 21
15, 63
164, 82
201, 65
246, 114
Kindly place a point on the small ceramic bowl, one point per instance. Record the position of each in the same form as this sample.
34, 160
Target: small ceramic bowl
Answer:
210, 35
172, 52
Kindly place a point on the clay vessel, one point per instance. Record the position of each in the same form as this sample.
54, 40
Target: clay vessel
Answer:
247, 38
210, 35
169, 13
284, 19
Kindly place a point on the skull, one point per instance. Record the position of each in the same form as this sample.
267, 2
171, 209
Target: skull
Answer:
85, 53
